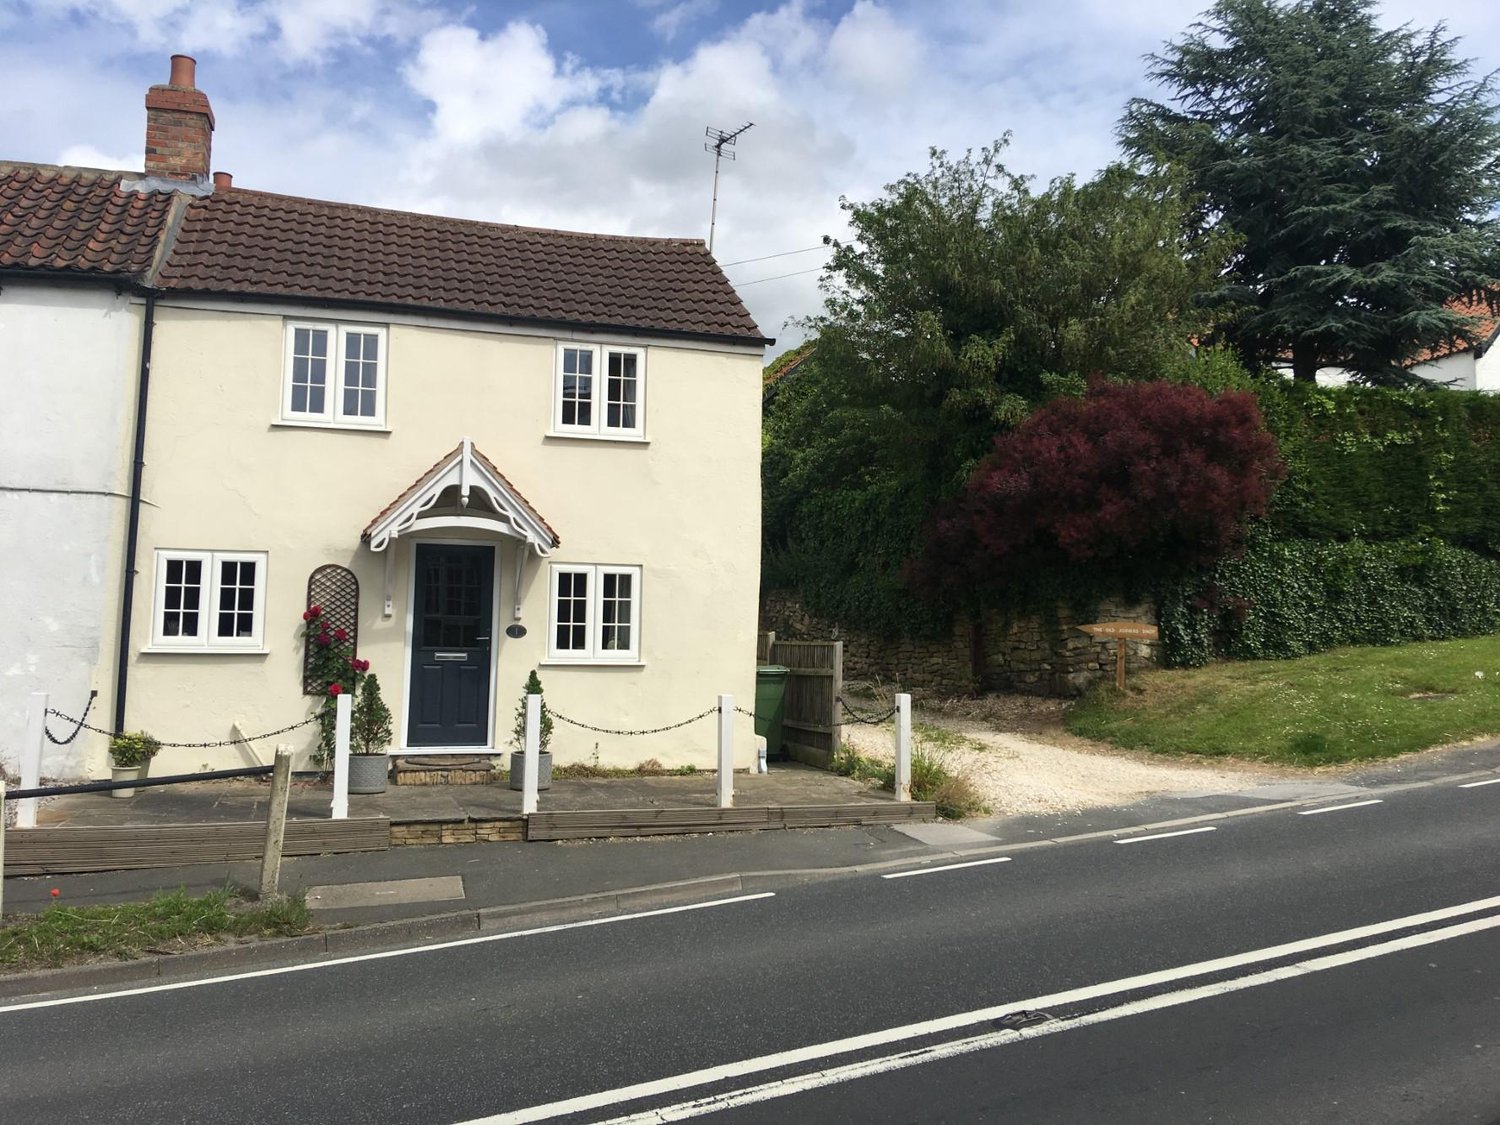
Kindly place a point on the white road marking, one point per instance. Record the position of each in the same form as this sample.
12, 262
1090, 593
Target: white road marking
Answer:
946, 867
943, 1024
1477, 784
382, 955
866, 1067
1340, 808
1166, 835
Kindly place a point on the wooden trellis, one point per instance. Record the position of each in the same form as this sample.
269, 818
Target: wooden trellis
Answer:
336, 590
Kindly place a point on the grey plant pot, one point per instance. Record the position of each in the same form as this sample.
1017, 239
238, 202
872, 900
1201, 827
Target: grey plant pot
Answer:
125, 773
367, 772
543, 769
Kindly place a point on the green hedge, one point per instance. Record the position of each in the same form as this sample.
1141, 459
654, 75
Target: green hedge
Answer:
1285, 598
1379, 464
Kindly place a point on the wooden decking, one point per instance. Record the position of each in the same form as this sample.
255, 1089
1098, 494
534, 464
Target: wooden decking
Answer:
55, 851
583, 824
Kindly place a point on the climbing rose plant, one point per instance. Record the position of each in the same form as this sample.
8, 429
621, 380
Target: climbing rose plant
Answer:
335, 669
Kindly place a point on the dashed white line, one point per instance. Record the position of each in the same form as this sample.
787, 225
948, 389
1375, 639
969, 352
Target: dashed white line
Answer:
1477, 784
1340, 808
1166, 835
946, 867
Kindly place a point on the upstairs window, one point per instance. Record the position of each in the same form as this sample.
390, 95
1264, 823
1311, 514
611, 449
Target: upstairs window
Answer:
335, 374
209, 599
600, 391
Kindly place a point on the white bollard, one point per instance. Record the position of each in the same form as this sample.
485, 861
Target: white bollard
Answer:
903, 746
726, 751
343, 712
2, 845
31, 757
531, 760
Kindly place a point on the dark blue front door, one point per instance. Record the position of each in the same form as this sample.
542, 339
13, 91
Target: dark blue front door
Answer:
450, 634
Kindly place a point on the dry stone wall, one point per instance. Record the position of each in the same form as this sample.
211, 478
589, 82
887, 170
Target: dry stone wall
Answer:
1030, 655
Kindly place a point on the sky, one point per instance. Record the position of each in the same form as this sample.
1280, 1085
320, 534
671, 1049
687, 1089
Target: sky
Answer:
590, 114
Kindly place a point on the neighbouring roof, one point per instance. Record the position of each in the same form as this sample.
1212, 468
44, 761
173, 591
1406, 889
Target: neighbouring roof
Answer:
1486, 328
78, 221
258, 244
467, 470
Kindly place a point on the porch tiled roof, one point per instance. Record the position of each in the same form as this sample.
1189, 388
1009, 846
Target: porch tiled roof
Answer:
432, 470
77, 220
257, 243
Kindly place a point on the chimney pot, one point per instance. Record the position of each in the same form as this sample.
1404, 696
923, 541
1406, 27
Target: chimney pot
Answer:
223, 181
184, 71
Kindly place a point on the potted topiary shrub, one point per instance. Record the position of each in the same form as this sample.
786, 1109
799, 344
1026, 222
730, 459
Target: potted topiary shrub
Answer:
518, 739
129, 754
369, 737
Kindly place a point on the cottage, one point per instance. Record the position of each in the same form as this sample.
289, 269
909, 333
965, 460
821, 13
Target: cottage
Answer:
480, 448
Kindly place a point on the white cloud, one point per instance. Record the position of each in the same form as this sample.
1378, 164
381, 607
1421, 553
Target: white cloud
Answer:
671, 19
502, 85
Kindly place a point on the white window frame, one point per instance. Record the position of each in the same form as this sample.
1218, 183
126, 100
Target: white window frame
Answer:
594, 651
333, 398
208, 602
598, 400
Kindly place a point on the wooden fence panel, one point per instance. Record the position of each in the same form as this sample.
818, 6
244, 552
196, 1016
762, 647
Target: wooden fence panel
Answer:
815, 680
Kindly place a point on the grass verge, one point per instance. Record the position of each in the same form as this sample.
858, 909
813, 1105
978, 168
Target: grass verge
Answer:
172, 922
933, 778
1345, 705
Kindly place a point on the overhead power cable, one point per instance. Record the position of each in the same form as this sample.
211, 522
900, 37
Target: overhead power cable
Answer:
778, 277
768, 257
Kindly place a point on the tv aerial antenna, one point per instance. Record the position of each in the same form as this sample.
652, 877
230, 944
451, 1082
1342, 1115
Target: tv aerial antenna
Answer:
721, 144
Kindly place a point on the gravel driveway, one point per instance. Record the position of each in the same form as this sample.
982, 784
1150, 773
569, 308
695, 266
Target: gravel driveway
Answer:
1021, 759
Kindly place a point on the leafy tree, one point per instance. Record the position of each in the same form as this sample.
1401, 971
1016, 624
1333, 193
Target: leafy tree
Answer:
962, 300
1141, 481
1361, 168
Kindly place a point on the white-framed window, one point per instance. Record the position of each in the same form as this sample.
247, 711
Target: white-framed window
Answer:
334, 373
209, 600
595, 613
600, 391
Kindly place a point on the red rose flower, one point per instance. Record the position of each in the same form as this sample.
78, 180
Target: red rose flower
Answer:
364, 665
341, 634
324, 639
335, 689
316, 611
307, 615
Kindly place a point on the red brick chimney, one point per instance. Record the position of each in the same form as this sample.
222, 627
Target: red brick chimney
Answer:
179, 125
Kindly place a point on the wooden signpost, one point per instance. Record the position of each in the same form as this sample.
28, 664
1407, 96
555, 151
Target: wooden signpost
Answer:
1122, 631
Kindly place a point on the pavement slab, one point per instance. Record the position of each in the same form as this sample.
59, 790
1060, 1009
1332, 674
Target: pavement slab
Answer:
386, 892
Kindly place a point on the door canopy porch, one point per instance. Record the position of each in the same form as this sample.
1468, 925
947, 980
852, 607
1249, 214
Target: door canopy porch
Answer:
463, 491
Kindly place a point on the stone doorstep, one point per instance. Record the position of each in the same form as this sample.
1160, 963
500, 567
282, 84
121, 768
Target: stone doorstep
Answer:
443, 769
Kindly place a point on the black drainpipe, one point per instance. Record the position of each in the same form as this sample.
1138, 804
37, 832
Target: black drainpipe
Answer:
132, 533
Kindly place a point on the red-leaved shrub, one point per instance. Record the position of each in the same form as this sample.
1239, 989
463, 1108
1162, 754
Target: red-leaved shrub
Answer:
1136, 480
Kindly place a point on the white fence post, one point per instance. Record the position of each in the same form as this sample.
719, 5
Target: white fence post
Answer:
726, 751
903, 746
2, 845
31, 757
531, 759
343, 713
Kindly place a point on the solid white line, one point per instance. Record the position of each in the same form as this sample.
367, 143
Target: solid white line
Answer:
1166, 835
945, 1024
1340, 808
1477, 784
946, 867
867, 1067
405, 951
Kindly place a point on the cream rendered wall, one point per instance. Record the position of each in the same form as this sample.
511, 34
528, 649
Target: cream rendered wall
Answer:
1487, 369
222, 474
68, 364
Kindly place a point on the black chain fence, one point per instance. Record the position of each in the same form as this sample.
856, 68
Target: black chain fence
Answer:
867, 720
80, 724
560, 717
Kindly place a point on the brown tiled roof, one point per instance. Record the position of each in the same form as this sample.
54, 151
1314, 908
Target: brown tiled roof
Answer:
421, 483
77, 220
1486, 325
259, 244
